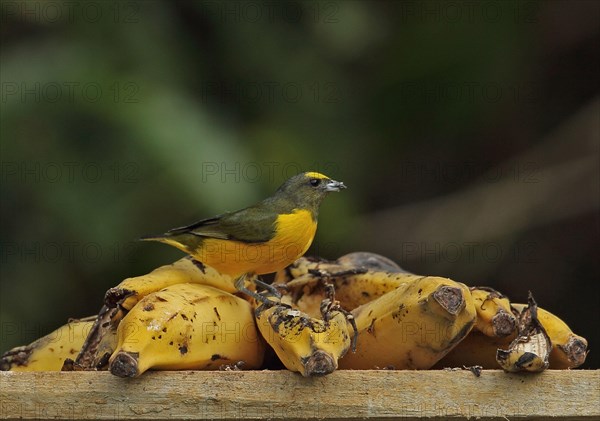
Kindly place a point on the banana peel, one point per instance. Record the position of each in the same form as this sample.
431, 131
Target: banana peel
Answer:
530, 351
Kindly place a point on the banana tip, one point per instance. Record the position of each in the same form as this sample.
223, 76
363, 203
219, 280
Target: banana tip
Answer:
125, 364
450, 299
320, 363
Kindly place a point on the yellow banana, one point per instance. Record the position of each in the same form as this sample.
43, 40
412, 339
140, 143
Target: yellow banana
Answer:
568, 349
185, 270
308, 345
531, 349
186, 326
413, 326
49, 352
494, 315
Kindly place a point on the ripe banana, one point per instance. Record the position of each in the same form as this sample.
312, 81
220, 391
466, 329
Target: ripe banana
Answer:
49, 352
413, 326
308, 345
494, 315
186, 326
185, 270
531, 349
568, 349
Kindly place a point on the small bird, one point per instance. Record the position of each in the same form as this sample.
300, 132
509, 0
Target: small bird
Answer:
259, 239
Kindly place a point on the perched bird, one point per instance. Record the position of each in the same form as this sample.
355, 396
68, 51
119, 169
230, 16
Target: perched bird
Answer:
259, 239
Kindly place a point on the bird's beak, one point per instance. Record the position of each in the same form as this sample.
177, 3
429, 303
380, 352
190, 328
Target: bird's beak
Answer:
333, 185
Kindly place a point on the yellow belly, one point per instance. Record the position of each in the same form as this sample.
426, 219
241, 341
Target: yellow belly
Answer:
294, 235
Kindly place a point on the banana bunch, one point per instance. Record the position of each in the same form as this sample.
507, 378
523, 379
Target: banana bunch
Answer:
171, 319
403, 320
102, 340
186, 316
48, 353
179, 316
308, 345
361, 278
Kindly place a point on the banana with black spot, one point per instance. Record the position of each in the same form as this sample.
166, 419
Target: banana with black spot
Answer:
308, 345
48, 353
413, 326
186, 326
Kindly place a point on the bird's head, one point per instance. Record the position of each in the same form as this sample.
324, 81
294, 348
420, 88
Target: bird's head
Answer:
308, 189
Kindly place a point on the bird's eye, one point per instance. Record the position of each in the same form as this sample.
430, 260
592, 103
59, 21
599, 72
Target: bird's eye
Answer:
315, 182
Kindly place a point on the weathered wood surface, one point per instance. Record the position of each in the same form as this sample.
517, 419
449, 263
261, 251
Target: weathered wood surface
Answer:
285, 395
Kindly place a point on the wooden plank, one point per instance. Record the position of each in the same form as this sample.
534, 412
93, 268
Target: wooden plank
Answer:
284, 395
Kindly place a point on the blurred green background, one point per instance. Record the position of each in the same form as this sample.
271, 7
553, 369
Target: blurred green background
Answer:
467, 132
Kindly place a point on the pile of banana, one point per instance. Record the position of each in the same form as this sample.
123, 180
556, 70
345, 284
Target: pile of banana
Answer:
361, 311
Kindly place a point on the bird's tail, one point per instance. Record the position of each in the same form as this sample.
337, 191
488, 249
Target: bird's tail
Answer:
187, 243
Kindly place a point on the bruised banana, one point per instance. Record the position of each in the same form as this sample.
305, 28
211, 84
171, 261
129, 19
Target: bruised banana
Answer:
106, 346
530, 351
352, 289
494, 315
413, 326
568, 349
49, 352
307, 280
308, 345
186, 326
185, 270
360, 260
100, 342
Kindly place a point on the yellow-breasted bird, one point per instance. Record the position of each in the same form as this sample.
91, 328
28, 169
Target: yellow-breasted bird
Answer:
259, 239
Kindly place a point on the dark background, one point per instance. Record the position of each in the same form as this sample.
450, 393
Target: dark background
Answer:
467, 132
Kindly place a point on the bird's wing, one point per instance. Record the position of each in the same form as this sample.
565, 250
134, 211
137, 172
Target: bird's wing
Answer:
205, 228
251, 225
